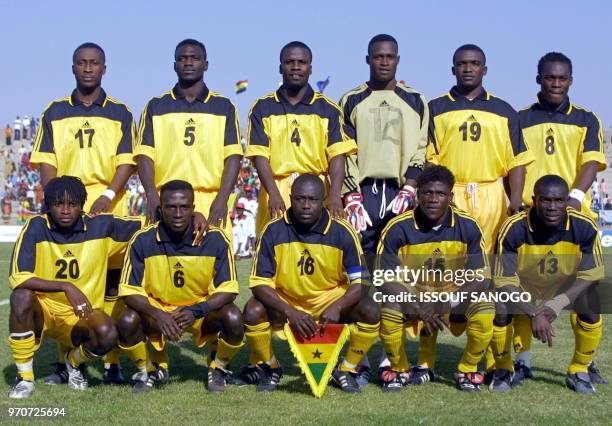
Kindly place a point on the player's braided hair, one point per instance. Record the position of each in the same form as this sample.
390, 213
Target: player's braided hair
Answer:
89, 45
470, 47
380, 38
191, 42
175, 185
436, 173
59, 188
554, 57
294, 44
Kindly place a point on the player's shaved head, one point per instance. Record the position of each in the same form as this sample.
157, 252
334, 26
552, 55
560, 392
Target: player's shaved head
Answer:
554, 57
89, 45
381, 38
191, 42
547, 182
293, 45
176, 185
470, 47
308, 179
65, 187
436, 173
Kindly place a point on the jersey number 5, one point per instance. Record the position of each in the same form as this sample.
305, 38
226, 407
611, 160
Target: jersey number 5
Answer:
189, 135
82, 134
67, 269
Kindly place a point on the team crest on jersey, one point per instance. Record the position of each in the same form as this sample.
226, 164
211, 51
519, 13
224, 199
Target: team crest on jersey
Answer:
384, 104
177, 265
471, 118
190, 122
550, 132
86, 125
68, 254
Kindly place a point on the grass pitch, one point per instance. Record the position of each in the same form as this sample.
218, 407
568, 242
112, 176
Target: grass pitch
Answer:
185, 399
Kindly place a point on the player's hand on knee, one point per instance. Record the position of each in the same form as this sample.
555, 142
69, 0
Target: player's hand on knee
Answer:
330, 315
168, 326
404, 200
101, 205
80, 303
542, 329
547, 311
355, 213
217, 215
276, 205
184, 318
302, 322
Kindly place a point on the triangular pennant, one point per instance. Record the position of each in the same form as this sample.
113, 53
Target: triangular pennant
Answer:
318, 356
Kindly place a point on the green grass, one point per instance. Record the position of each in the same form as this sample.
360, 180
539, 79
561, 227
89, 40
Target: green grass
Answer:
185, 399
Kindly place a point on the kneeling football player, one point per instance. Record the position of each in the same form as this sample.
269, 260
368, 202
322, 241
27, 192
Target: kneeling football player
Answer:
308, 267
58, 277
172, 286
554, 253
438, 240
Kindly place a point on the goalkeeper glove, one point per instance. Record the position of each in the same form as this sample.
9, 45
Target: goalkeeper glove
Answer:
404, 200
356, 214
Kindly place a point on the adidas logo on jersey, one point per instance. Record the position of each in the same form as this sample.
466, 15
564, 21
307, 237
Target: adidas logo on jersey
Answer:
471, 118
295, 123
190, 122
305, 252
177, 265
437, 252
550, 253
85, 125
384, 104
68, 254
550, 132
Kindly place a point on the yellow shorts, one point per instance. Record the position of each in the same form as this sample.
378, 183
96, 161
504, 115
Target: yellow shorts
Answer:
59, 320
159, 341
204, 199
315, 307
486, 201
284, 187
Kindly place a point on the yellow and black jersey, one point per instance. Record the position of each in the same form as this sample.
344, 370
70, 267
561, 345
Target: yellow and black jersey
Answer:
456, 244
89, 142
562, 141
189, 141
178, 274
303, 267
390, 127
542, 260
478, 140
299, 138
79, 257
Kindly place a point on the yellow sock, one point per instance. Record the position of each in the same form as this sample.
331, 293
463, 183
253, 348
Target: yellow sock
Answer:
138, 354
479, 331
113, 307
79, 355
393, 338
427, 350
501, 347
587, 340
23, 346
157, 357
363, 337
522, 333
225, 352
212, 346
259, 338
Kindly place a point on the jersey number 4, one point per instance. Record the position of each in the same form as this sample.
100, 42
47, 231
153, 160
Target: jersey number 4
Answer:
85, 134
474, 131
295, 137
67, 269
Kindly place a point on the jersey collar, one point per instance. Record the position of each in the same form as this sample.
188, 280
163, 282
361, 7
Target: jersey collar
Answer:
454, 95
307, 99
564, 108
162, 235
533, 222
322, 226
79, 226
177, 93
100, 100
448, 221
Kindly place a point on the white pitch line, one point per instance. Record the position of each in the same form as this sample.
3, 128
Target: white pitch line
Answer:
4, 302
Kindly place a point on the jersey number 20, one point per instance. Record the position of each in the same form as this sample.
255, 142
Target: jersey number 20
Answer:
67, 269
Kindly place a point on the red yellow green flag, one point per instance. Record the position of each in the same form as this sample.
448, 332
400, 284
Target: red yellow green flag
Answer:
318, 356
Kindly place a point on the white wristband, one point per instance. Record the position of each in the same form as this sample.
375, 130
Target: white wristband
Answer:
558, 302
577, 194
109, 193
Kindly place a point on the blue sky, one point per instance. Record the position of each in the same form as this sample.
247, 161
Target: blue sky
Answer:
243, 40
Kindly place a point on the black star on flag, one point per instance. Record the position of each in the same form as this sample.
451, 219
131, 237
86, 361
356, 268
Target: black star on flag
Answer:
317, 354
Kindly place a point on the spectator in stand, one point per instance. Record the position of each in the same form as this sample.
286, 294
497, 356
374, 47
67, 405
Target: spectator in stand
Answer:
26, 128
6, 206
603, 188
8, 135
244, 232
17, 128
607, 204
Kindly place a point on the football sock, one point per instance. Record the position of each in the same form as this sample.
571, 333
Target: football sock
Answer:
225, 352
587, 340
501, 347
79, 355
393, 338
259, 338
479, 331
23, 346
363, 337
113, 308
427, 350
524, 356
159, 358
212, 349
522, 333
138, 354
